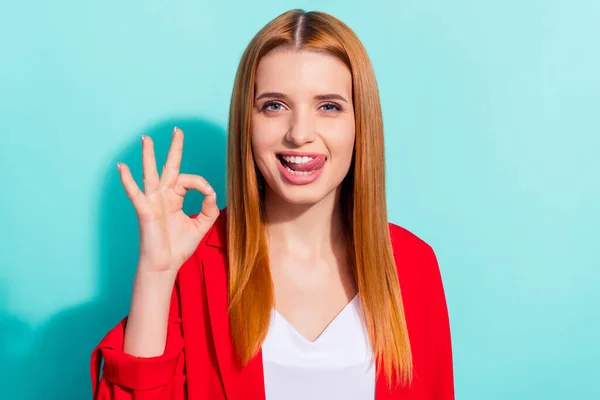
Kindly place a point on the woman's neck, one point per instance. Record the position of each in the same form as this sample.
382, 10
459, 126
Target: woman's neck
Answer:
310, 230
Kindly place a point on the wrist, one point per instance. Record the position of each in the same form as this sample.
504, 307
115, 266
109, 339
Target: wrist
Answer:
156, 279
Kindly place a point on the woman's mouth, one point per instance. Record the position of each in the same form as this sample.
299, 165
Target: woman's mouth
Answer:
301, 168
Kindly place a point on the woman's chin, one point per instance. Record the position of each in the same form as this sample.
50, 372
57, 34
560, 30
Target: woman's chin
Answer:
303, 195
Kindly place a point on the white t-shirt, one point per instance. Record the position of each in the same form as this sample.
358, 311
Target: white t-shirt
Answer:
337, 365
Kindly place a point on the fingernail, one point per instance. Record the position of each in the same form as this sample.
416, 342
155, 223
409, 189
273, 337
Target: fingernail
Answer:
175, 130
119, 166
211, 190
143, 138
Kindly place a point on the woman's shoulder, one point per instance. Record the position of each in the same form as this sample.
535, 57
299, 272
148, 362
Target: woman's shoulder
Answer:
404, 241
407, 244
417, 266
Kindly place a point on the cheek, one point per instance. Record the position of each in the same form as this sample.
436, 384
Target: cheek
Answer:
267, 132
341, 140
258, 152
264, 139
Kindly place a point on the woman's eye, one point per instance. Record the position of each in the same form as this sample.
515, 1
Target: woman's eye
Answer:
331, 107
271, 106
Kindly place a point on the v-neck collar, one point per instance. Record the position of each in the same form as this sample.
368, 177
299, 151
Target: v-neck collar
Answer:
277, 315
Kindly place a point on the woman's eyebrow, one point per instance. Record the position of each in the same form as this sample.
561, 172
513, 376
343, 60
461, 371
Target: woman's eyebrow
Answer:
329, 96
273, 95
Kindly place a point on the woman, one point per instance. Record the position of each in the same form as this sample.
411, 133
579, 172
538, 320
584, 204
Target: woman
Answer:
300, 288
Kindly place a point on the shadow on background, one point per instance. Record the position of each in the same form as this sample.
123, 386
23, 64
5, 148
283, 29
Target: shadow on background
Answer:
58, 366
15, 339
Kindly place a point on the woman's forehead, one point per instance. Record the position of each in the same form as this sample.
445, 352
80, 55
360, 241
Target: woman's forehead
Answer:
302, 71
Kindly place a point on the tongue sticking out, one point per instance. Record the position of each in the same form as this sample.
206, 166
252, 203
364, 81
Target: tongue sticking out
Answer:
312, 165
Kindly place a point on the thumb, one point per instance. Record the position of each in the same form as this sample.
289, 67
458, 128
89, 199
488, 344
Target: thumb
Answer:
208, 213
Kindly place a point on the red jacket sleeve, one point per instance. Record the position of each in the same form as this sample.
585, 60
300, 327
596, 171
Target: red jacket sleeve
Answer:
440, 376
126, 377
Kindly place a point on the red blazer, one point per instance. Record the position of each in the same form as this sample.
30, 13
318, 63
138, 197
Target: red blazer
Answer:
198, 361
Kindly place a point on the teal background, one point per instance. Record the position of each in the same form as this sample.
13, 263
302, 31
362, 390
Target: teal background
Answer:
492, 138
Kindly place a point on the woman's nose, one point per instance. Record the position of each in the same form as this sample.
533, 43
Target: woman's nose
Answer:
302, 128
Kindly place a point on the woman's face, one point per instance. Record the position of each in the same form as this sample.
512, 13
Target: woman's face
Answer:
302, 124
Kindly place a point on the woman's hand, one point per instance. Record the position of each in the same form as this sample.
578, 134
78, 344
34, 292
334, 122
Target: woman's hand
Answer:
168, 237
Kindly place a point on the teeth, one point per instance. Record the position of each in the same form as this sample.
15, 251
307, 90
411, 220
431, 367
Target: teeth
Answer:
298, 172
297, 159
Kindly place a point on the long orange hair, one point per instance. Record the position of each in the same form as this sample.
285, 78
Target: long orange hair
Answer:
363, 197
